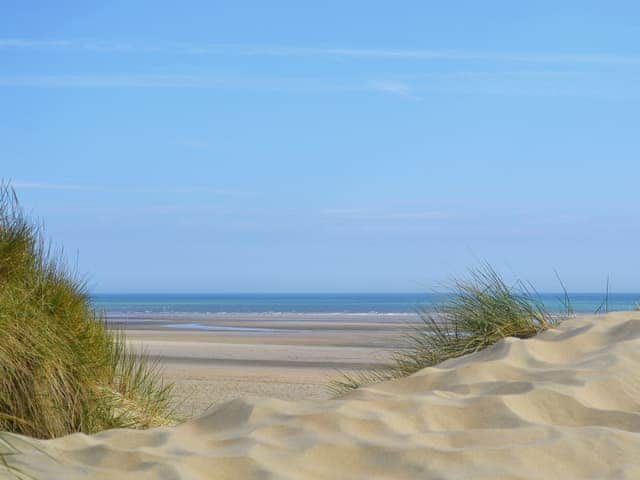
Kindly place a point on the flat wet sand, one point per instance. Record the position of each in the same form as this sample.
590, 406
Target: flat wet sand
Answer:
212, 358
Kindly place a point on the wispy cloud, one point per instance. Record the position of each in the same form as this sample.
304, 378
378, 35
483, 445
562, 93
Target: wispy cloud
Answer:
270, 84
381, 214
289, 84
48, 186
475, 73
127, 80
393, 88
110, 81
341, 52
24, 43
70, 187
412, 87
93, 46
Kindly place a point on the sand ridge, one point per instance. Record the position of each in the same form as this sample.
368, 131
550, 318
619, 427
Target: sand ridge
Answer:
565, 404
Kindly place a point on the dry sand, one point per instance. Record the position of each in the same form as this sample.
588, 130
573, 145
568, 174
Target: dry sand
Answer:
563, 405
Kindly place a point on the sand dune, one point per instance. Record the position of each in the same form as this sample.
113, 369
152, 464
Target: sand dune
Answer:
565, 404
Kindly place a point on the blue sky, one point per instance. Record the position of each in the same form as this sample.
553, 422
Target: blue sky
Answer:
340, 146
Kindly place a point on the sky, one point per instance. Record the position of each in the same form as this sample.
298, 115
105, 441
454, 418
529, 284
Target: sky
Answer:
335, 146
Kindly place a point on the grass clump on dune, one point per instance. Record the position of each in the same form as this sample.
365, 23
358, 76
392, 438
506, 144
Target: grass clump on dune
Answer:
61, 369
480, 311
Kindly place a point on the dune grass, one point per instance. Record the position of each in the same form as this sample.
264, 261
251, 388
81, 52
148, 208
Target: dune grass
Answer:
61, 369
480, 311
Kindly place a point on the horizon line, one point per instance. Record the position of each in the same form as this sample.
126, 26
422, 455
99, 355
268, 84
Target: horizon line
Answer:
343, 292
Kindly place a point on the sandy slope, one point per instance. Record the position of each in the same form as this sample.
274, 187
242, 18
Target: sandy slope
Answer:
563, 405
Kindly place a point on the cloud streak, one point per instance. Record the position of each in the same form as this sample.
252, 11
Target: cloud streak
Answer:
127, 80
337, 52
408, 87
359, 214
391, 87
71, 187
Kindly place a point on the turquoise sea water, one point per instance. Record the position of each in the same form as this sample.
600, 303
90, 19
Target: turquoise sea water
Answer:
324, 302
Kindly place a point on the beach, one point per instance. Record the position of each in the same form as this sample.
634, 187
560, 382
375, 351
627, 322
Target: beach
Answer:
564, 404
212, 358
319, 240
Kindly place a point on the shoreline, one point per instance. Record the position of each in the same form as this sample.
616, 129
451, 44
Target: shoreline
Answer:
300, 322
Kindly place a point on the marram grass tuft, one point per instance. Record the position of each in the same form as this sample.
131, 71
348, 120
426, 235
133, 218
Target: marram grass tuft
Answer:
480, 311
61, 369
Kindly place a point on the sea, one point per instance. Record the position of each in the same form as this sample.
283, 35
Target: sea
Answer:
327, 303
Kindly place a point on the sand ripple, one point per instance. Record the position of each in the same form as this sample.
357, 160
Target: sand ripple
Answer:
565, 404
